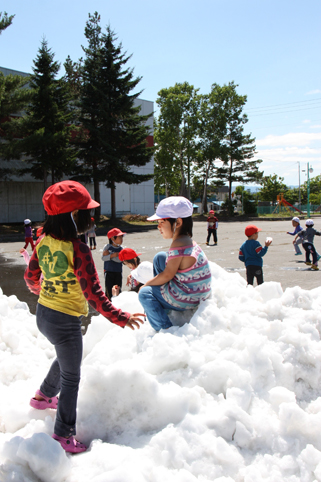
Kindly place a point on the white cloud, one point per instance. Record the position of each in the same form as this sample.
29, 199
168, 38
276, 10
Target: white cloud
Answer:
291, 139
312, 92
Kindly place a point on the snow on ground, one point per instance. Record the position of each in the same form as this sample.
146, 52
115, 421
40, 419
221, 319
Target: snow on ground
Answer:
234, 395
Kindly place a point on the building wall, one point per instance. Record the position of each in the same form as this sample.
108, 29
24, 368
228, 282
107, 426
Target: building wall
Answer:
21, 197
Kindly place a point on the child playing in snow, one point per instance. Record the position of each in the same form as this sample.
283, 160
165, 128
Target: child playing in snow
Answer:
212, 225
251, 254
307, 236
92, 235
141, 271
28, 234
297, 229
113, 267
182, 276
70, 282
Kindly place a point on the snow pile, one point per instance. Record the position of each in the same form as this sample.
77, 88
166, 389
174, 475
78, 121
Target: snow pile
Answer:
234, 395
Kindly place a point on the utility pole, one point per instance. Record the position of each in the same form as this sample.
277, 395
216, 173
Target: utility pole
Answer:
299, 188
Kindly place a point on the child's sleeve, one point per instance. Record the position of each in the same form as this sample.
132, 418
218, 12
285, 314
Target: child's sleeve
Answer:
86, 273
260, 250
33, 273
241, 255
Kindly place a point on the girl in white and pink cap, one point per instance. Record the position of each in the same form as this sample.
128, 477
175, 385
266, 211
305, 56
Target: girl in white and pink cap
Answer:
182, 276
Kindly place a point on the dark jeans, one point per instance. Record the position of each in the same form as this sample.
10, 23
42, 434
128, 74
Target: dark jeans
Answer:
63, 331
211, 231
254, 272
111, 279
309, 248
92, 241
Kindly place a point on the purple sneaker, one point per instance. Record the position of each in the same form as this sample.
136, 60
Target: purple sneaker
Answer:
70, 444
45, 403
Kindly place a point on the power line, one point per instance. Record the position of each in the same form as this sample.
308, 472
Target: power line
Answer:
290, 103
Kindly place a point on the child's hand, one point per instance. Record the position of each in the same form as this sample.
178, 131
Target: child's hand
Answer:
129, 277
21, 250
115, 290
268, 242
132, 322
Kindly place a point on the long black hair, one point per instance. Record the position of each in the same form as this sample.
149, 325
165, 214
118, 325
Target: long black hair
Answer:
62, 226
186, 228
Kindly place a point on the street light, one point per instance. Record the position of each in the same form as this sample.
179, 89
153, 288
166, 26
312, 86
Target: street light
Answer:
308, 188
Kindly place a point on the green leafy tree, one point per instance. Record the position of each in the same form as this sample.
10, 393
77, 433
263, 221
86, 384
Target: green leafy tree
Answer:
45, 128
212, 134
249, 202
272, 186
239, 149
5, 21
114, 133
175, 133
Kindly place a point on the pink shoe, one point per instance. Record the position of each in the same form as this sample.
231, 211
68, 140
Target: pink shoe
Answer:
45, 403
70, 444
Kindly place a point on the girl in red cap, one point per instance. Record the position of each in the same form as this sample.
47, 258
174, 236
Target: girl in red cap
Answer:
141, 272
70, 282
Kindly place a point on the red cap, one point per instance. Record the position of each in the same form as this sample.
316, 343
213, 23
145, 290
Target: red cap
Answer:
251, 229
211, 211
127, 253
114, 232
67, 196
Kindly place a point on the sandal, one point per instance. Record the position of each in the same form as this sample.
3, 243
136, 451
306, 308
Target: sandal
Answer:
47, 402
70, 444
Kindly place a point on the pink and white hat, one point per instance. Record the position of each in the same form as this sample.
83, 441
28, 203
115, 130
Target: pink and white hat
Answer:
173, 207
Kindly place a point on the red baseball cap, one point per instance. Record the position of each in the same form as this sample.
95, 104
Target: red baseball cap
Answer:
67, 196
251, 229
112, 233
211, 211
128, 253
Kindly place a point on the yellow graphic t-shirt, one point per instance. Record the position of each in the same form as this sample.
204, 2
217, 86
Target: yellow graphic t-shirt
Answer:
60, 289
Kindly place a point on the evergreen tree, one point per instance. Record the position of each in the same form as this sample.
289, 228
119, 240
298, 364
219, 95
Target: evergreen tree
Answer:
46, 127
113, 132
5, 21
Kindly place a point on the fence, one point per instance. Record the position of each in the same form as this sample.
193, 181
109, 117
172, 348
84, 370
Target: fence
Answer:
281, 209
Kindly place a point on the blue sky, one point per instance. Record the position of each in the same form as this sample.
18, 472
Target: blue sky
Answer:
271, 49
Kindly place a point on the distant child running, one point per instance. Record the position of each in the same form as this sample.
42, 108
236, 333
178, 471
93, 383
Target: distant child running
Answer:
251, 254
92, 235
182, 276
307, 236
212, 225
113, 267
296, 241
28, 234
70, 282
141, 271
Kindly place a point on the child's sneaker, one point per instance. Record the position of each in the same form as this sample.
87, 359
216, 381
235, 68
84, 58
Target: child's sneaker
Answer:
47, 402
319, 256
297, 254
70, 444
315, 267
207, 243
308, 263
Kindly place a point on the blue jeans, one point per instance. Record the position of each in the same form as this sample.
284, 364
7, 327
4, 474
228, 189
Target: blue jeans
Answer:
151, 299
64, 332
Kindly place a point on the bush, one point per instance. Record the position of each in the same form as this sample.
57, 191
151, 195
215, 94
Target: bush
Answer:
134, 218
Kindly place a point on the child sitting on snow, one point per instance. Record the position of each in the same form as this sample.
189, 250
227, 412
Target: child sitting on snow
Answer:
141, 271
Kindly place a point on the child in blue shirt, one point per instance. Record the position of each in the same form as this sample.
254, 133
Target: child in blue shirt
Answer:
251, 254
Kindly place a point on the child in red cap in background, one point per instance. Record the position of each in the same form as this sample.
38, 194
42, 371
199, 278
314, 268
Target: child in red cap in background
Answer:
251, 254
212, 224
141, 271
113, 267
70, 282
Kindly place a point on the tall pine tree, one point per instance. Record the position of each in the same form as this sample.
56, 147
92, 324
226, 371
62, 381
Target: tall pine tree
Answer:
46, 128
114, 133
